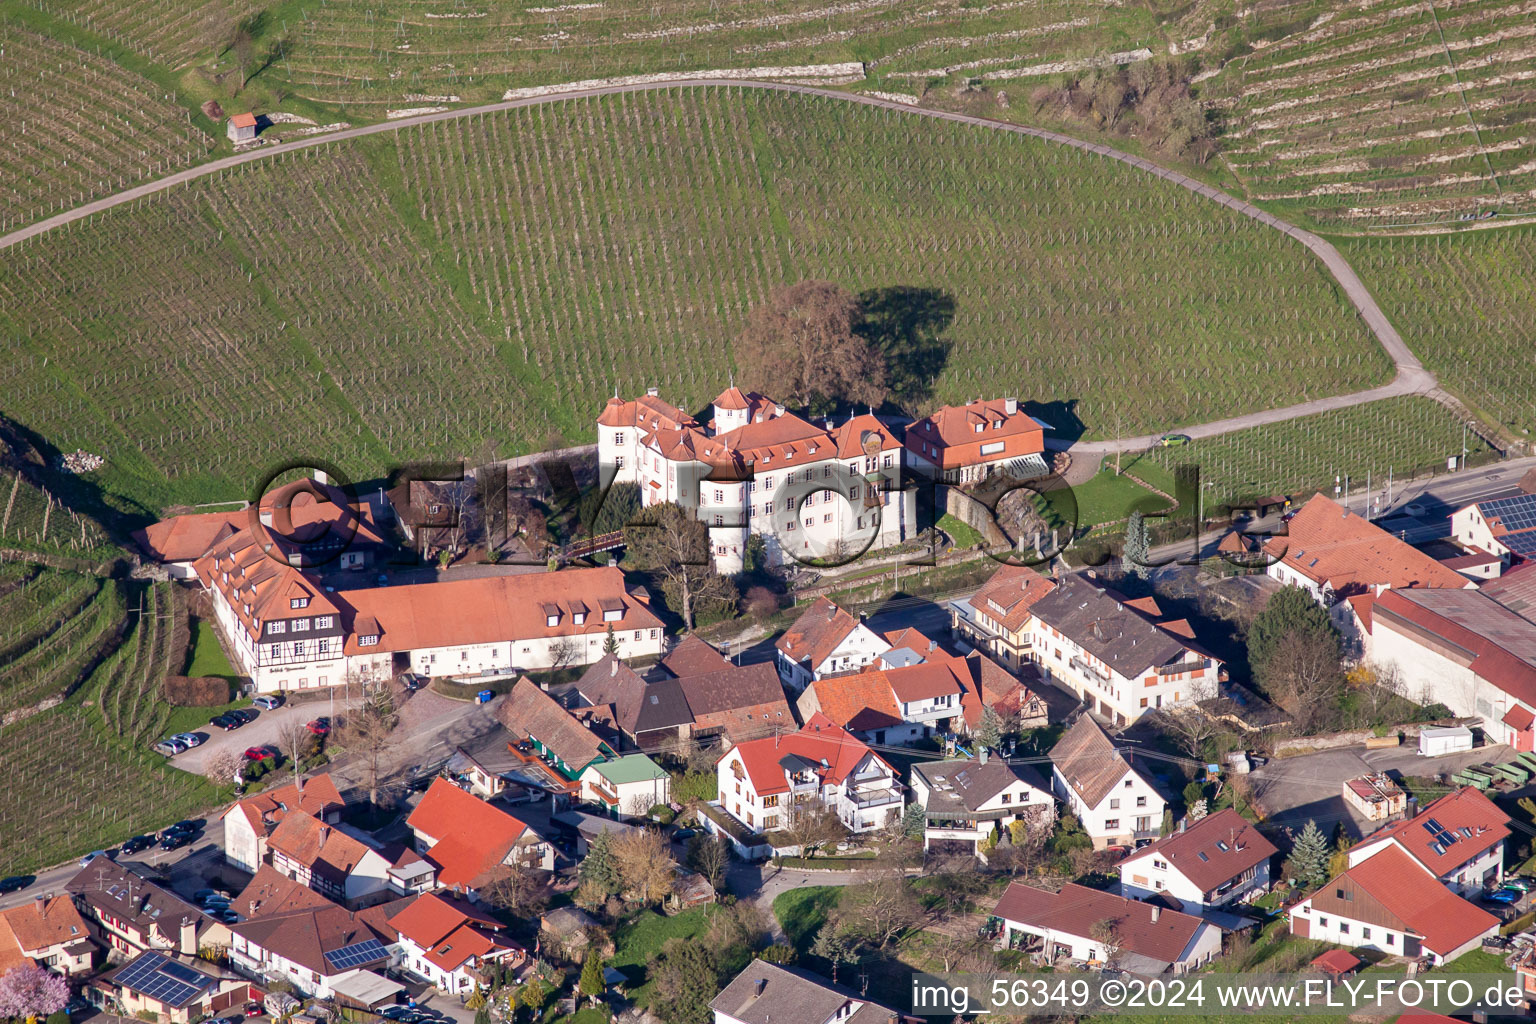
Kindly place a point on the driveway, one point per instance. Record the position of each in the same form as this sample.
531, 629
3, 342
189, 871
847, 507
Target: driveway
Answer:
1294, 790
266, 729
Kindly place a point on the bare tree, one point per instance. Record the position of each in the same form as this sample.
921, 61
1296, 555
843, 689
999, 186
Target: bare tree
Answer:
710, 856
879, 908
1191, 727
809, 824
645, 864
1106, 932
221, 766
671, 542
298, 744
366, 735
563, 652
803, 345
517, 889
638, 806
1305, 677
459, 497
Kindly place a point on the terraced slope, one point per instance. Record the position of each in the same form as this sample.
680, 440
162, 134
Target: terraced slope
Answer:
1366, 113
75, 126
169, 33
497, 276
1463, 302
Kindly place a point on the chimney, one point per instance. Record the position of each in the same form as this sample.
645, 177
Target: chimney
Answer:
759, 985
40, 904
1413, 807
325, 833
188, 937
1156, 912
778, 409
983, 755
1010, 406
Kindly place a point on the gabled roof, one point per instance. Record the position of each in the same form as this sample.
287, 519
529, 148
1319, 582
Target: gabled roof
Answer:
834, 753
1113, 631
304, 936
924, 681
49, 921
765, 993
966, 785
326, 850
638, 706
860, 435
1470, 821
300, 521
1495, 643
530, 713
472, 837
1160, 935
1010, 594
859, 701
956, 424
747, 701
1213, 850
649, 412
692, 657
123, 893
271, 892
817, 632
1328, 544
1088, 761
452, 931
732, 399
1445, 920
267, 808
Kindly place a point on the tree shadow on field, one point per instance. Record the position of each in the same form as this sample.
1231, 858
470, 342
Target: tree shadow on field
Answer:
906, 325
1066, 425
38, 459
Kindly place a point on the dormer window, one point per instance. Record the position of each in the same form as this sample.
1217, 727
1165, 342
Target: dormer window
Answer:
980, 427
613, 614
551, 620
997, 424
300, 625
370, 640
433, 510
299, 602
323, 621
580, 618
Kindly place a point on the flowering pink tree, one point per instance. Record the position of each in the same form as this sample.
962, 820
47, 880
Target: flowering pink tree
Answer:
32, 992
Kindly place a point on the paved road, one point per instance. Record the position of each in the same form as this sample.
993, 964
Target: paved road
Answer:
1411, 376
200, 856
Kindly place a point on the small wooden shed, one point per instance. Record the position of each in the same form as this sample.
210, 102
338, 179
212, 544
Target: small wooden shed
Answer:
242, 128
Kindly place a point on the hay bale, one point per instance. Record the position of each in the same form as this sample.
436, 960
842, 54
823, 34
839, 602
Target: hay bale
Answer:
197, 691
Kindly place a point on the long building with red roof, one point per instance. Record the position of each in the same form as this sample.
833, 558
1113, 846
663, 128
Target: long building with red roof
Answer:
1458, 838
764, 782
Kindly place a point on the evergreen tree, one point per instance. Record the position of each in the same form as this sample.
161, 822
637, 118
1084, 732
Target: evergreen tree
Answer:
1137, 548
1291, 617
990, 730
1308, 863
599, 867
913, 821
610, 642
591, 983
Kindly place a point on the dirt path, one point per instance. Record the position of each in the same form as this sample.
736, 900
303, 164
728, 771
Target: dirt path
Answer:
1411, 377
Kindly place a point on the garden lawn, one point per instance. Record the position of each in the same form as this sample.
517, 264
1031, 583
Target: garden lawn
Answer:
963, 535
208, 658
801, 912
640, 937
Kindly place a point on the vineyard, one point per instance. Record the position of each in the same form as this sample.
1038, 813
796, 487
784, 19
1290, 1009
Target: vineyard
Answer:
1410, 437
1393, 112
497, 277
32, 519
75, 126
80, 774
173, 37
1463, 303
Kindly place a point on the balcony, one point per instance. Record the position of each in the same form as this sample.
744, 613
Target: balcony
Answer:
952, 831
873, 798
1090, 671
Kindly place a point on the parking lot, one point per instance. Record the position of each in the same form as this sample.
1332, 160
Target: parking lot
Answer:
266, 729
1294, 790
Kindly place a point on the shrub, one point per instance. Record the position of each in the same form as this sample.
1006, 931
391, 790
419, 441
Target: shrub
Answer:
196, 691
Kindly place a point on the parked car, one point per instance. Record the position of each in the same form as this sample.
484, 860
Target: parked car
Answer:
1523, 884
15, 883
138, 844
226, 721
253, 1009
85, 861
190, 824
175, 840
393, 1012
242, 715
170, 747
1504, 897
226, 915
682, 835
320, 726
258, 753
268, 702
1173, 440
412, 681
191, 739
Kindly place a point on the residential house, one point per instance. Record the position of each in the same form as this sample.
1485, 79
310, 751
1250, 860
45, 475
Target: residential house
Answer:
765, 993
1334, 554
807, 488
1392, 903
272, 893
1217, 861
998, 618
343, 865
1463, 649
432, 513
762, 781
1096, 927
1115, 804
448, 941
302, 523
249, 822
1459, 839
1115, 654
131, 914
737, 703
1375, 796
584, 828
1502, 527
628, 786
651, 716
825, 639
314, 947
565, 743
288, 633
994, 687
469, 840
965, 802
693, 656
863, 704
962, 444
567, 930
171, 989
47, 932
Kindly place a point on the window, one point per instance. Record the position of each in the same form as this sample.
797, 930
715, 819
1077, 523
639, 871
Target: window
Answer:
1114, 805
277, 627
298, 649
810, 521
325, 646
885, 463
826, 471
613, 614
789, 479
980, 427
300, 625
789, 527
579, 617
1322, 922
752, 511
827, 518
1143, 702
368, 641
1343, 927
324, 621
551, 620
1112, 823
853, 492
770, 822
810, 499
993, 447
1141, 801
1338, 894
298, 602
1391, 939
638, 632
1365, 933
1007, 798
719, 520
767, 481
653, 634
1161, 865
1127, 783
772, 800
618, 438
719, 496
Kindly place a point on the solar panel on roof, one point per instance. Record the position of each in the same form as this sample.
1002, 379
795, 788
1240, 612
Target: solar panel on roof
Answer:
162, 979
357, 954
1434, 826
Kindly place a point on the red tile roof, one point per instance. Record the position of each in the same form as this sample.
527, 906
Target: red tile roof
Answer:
817, 632
243, 120
1328, 544
1213, 850
926, 681
820, 739
319, 798
1010, 594
472, 837
860, 700
1500, 644
956, 424
491, 609
1075, 908
692, 657
1518, 717
270, 892
325, 849
648, 412
1445, 920
451, 930
41, 923
1337, 961
1467, 809
732, 398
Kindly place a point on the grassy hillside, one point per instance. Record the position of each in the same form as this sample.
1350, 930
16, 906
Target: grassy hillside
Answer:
1463, 302
498, 277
